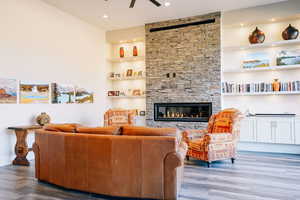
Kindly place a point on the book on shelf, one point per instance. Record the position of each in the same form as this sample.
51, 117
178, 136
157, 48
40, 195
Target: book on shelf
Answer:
260, 87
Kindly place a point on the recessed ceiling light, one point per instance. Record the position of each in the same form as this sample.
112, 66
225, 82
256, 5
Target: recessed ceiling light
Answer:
273, 19
167, 4
242, 24
105, 16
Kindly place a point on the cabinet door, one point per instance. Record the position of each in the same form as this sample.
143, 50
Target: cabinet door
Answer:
297, 131
284, 131
265, 129
247, 130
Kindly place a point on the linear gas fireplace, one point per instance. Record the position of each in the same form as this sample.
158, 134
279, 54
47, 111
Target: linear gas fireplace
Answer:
182, 112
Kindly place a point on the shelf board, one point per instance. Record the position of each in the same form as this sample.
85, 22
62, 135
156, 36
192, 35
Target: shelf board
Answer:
259, 69
127, 97
127, 59
262, 93
127, 78
263, 45
128, 41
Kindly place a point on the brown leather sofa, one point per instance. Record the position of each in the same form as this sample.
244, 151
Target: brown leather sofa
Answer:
137, 163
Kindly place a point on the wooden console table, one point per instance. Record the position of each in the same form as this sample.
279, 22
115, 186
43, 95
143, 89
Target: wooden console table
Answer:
21, 147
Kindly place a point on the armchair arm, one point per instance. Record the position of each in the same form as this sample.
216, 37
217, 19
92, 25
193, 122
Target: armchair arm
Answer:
218, 138
192, 134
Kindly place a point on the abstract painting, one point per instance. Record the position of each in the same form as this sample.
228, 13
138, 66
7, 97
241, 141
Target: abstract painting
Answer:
62, 94
8, 91
34, 93
83, 96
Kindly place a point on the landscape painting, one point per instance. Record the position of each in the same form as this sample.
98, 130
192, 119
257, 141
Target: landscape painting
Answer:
32, 93
62, 94
83, 96
8, 91
288, 57
255, 60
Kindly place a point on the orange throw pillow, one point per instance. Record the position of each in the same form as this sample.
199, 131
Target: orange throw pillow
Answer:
100, 130
61, 127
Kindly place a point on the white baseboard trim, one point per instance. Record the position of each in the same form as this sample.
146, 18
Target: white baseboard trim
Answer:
269, 148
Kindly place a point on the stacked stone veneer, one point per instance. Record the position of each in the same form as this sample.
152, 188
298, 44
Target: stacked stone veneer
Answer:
194, 54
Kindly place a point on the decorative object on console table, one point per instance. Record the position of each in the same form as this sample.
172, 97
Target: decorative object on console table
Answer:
135, 51
122, 52
276, 85
21, 147
290, 33
257, 36
43, 119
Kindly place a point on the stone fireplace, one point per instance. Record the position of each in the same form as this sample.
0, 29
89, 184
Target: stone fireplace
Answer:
183, 64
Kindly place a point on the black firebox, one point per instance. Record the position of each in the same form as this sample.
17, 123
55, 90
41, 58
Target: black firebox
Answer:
182, 112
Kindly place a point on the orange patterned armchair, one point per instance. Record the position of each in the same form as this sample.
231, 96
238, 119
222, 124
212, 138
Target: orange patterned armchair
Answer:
119, 117
218, 141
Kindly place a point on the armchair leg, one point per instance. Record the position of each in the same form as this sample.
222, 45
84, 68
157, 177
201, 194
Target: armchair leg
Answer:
232, 160
187, 158
208, 164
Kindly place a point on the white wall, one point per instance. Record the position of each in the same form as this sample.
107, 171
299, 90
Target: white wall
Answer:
41, 43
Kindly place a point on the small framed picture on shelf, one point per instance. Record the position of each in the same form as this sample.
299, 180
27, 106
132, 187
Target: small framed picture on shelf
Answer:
140, 73
122, 93
136, 92
288, 57
112, 75
117, 75
113, 93
142, 113
129, 73
256, 60
135, 74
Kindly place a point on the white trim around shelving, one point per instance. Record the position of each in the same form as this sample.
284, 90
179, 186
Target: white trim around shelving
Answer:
127, 59
127, 78
263, 45
262, 93
259, 69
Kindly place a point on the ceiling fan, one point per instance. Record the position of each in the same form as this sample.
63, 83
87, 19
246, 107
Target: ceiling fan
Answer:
153, 1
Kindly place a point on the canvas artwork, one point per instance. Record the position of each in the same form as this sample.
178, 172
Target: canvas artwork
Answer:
83, 96
8, 91
255, 60
34, 93
288, 57
62, 94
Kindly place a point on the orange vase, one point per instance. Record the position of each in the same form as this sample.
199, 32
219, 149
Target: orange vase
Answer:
276, 85
122, 52
135, 51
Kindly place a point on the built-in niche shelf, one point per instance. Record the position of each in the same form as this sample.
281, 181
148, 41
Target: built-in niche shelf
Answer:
259, 69
128, 78
262, 93
127, 59
263, 45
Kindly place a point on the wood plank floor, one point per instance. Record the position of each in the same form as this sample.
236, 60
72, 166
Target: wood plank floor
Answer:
254, 176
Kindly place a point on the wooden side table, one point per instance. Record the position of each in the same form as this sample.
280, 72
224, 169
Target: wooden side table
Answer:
21, 147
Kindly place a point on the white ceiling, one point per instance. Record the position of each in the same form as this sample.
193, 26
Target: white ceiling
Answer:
121, 16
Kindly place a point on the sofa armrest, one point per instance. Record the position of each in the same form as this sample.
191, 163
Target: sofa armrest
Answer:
191, 134
172, 176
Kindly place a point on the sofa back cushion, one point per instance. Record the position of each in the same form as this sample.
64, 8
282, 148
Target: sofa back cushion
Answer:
71, 128
146, 131
110, 130
224, 120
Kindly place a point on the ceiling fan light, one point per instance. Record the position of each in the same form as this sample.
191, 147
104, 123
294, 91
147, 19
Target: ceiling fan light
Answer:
167, 4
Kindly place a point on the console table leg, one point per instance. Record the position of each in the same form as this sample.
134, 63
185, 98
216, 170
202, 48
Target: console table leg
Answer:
21, 148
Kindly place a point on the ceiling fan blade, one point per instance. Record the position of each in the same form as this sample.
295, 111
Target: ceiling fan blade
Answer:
132, 3
155, 3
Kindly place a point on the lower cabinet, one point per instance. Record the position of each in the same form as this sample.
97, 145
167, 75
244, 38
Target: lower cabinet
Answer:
278, 130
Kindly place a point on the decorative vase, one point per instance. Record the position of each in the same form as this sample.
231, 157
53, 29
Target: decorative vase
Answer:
122, 52
257, 36
43, 119
276, 85
290, 33
135, 51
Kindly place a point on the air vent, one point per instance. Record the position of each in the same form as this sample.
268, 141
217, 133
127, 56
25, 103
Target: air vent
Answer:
209, 21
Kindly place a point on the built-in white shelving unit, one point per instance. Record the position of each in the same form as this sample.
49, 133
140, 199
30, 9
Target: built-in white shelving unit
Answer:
262, 93
127, 59
260, 69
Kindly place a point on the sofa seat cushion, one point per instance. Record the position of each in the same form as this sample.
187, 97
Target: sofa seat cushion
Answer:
71, 128
146, 131
110, 130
